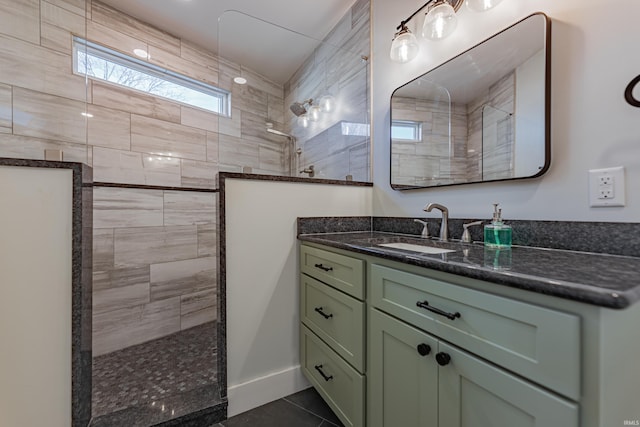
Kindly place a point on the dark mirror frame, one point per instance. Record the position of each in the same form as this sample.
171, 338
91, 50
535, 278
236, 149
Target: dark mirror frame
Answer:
547, 109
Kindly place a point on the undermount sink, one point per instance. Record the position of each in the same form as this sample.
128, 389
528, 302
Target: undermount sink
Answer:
416, 248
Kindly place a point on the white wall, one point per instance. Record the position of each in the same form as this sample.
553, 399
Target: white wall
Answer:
35, 297
594, 56
262, 281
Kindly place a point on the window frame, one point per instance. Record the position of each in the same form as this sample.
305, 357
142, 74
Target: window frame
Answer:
406, 124
108, 54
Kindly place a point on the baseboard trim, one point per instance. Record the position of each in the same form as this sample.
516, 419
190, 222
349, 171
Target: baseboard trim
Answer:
259, 391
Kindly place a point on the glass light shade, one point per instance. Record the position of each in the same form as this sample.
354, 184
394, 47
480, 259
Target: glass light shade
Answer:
303, 120
314, 113
404, 46
440, 22
327, 103
481, 5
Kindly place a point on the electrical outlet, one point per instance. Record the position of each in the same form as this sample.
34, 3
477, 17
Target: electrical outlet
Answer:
606, 187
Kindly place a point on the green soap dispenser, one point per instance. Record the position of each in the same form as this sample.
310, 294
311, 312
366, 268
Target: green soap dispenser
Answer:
497, 234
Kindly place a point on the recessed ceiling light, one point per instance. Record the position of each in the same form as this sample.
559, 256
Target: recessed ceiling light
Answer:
240, 80
141, 53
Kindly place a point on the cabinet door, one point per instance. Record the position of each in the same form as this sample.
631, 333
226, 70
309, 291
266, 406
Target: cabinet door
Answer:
474, 393
402, 381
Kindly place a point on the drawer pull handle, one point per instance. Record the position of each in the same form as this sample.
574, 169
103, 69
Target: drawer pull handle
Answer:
424, 349
322, 313
322, 267
326, 378
426, 306
443, 359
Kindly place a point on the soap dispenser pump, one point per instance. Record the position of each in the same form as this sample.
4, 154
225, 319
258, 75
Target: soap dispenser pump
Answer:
497, 234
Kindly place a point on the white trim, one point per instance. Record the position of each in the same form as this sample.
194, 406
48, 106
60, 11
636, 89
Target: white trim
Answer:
259, 391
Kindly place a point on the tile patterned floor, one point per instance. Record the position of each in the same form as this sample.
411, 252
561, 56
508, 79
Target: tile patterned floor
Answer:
303, 409
155, 370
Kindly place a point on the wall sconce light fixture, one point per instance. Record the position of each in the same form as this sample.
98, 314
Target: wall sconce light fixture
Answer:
439, 22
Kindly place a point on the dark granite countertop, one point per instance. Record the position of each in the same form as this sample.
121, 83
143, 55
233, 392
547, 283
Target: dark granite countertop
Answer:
599, 279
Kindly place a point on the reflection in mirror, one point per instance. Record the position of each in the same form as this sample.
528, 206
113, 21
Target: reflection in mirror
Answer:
303, 111
482, 116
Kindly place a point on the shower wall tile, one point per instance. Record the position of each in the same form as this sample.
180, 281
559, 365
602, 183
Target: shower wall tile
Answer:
102, 250
149, 245
109, 128
107, 36
251, 99
198, 308
111, 299
261, 83
135, 168
198, 55
126, 207
108, 95
46, 116
38, 68
207, 240
6, 113
231, 126
236, 151
200, 119
212, 147
21, 19
275, 110
271, 157
110, 277
197, 174
132, 27
167, 139
189, 208
117, 329
182, 277
23, 147
57, 26
174, 62
79, 7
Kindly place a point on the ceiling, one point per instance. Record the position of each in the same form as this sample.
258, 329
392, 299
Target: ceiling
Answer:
275, 51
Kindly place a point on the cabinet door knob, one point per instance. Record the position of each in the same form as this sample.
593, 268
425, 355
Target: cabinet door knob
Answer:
424, 349
443, 359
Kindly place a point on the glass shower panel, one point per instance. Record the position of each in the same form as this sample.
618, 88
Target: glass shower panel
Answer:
497, 143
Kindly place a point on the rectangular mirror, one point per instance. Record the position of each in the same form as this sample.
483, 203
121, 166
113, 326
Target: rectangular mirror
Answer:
481, 116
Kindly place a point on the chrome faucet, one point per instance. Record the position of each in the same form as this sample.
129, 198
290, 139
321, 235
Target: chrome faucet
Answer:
444, 226
310, 170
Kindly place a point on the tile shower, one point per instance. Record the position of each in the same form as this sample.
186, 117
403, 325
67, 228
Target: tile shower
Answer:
155, 246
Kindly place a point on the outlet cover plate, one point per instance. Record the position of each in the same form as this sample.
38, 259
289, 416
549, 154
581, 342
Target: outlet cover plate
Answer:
607, 187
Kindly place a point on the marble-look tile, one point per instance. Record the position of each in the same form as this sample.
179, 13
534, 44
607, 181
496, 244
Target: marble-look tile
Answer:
24, 147
199, 174
109, 128
21, 19
198, 308
200, 119
227, 70
189, 208
212, 147
117, 329
231, 126
106, 300
57, 26
108, 95
207, 240
38, 68
173, 62
271, 158
182, 277
110, 278
167, 139
133, 27
250, 99
102, 249
135, 168
6, 112
149, 245
47, 116
79, 7
113, 39
127, 207
275, 109
238, 152
261, 83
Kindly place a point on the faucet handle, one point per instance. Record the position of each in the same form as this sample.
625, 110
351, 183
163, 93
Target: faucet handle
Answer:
466, 236
425, 229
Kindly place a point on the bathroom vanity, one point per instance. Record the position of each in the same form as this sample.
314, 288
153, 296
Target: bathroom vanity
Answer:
535, 337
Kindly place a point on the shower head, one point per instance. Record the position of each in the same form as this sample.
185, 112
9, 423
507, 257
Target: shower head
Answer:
298, 108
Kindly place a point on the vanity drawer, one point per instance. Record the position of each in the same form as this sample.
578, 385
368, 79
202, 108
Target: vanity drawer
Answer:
340, 271
335, 317
341, 386
538, 343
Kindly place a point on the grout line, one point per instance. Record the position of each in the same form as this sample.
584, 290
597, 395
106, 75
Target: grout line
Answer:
309, 411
